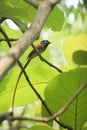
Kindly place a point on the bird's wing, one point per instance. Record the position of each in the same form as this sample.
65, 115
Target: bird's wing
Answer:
38, 46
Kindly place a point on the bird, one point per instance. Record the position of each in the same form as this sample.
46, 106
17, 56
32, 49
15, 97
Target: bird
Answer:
41, 47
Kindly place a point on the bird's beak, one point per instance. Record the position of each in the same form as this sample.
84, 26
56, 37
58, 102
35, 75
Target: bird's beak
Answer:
50, 42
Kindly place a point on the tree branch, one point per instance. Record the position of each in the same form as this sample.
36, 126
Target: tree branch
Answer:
8, 61
34, 3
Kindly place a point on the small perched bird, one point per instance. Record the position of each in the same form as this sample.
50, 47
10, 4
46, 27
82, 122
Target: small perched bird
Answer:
41, 47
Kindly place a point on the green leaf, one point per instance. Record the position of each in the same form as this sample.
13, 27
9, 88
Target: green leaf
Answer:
55, 20
10, 12
61, 89
17, 10
75, 50
40, 74
41, 127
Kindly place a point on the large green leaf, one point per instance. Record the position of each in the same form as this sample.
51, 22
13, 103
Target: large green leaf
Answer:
61, 89
11, 12
17, 9
39, 74
55, 20
75, 50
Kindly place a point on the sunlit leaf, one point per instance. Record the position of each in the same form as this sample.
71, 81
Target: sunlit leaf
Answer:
75, 50
55, 20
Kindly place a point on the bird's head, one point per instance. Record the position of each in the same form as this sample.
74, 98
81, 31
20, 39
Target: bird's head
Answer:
45, 42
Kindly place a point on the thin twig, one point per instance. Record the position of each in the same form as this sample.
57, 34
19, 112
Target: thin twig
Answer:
10, 39
44, 60
34, 3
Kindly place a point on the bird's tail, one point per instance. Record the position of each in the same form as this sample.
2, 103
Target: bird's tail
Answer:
16, 85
